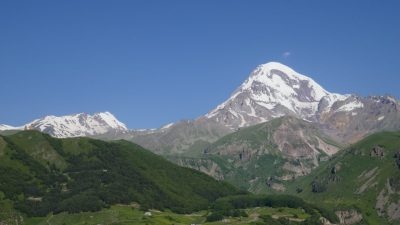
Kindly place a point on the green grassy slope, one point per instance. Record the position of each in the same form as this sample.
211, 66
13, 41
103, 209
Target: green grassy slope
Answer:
355, 179
40, 174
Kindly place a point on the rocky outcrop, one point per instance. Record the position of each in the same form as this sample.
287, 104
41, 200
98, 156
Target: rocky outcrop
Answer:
295, 169
348, 217
334, 177
274, 184
377, 151
318, 186
397, 159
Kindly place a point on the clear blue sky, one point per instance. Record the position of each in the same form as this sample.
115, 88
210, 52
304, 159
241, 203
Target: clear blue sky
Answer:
153, 62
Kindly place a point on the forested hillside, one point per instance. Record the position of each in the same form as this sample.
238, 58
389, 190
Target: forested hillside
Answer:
40, 174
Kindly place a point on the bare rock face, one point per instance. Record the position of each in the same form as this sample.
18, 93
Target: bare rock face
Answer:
381, 202
349, 217
292, 143
377, 151
206, 166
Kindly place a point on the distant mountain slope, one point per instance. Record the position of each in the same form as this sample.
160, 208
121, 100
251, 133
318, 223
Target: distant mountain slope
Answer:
288, 136
259, 157
40, 174
365, 176
177, 138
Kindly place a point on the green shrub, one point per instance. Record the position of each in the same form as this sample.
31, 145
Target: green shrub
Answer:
215, 216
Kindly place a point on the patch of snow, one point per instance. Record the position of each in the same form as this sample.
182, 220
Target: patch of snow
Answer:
269, 106
252, 110
235, 114
110, 120
8, 127
167, 126
392, 99
262, 119
149, 130
350, 106
332, 98
242, 121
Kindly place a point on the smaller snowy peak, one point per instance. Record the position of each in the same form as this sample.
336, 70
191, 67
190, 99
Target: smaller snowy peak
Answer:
8, 127
76, 125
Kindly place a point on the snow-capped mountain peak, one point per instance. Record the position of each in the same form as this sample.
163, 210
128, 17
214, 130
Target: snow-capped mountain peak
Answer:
75, 125
272, 90
283, 78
